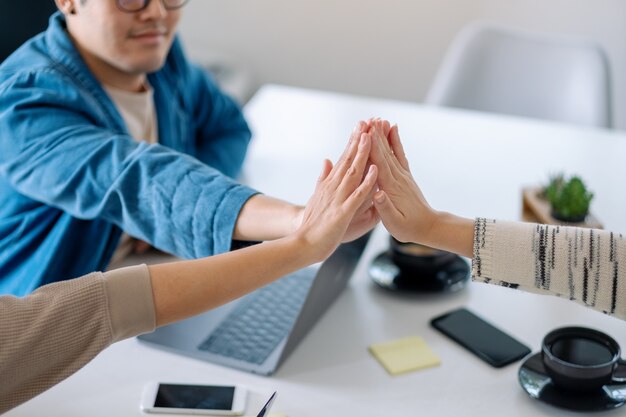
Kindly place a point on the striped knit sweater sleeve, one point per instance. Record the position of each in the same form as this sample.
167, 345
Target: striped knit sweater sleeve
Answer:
53, 332
584, 265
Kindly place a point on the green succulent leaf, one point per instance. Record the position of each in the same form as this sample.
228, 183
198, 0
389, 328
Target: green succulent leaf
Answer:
569, 198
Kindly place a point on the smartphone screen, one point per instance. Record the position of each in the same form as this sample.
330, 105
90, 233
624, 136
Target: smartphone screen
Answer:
206, 397
481, 338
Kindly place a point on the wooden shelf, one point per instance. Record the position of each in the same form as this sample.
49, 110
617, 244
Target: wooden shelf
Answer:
537, 209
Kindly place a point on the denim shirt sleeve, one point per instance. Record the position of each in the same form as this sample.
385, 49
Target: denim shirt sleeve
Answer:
53, 151
222, 134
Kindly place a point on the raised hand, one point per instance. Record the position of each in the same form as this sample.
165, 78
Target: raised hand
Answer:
399, 201
340, 208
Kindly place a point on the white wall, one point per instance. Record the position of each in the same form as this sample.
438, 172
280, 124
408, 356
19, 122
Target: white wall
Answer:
385, 48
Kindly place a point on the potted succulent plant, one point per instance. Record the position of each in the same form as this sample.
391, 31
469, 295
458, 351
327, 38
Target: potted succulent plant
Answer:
569, 198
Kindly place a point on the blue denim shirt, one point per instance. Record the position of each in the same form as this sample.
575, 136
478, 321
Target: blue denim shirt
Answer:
71, 177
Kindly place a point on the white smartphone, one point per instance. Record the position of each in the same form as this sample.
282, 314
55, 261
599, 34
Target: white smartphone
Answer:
174, 398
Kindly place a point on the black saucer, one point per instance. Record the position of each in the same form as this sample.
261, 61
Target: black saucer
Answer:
447, 276
533, 378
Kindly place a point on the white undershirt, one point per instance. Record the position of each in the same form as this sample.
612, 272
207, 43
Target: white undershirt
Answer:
139, 114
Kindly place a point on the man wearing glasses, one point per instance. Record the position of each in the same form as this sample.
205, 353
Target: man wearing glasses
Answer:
106, 132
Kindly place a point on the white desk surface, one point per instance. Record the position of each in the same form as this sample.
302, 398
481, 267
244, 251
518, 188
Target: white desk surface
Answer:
469, 163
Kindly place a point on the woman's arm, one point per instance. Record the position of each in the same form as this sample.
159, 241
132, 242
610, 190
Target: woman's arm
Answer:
54, 331
585, 265
341, 192
401, 205
50, 334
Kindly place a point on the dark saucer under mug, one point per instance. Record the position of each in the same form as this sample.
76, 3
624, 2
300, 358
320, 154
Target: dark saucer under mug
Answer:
536, 382
447, 274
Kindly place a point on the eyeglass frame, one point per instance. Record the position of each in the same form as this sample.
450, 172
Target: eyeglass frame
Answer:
146, 3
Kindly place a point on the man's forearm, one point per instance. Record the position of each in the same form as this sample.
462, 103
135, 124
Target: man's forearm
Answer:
266, 218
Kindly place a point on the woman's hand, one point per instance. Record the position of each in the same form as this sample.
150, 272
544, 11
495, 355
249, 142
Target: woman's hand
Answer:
400, 203
340, 208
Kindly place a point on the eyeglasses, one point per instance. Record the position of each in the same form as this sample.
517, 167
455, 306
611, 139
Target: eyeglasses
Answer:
132, 6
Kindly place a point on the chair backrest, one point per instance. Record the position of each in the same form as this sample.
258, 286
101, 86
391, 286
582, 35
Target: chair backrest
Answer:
20, 20
496, 69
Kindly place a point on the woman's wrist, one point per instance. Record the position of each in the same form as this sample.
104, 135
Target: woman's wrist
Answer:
451, 233
301, 250
425, 232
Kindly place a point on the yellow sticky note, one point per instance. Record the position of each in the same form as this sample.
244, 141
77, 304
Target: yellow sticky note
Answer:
404, 355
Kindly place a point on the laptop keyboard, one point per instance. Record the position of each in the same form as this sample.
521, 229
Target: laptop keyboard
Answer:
258, 324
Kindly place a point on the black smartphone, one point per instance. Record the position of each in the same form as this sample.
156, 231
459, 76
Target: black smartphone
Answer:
481, 338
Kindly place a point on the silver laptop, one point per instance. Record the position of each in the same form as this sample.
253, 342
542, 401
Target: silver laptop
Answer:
257, 332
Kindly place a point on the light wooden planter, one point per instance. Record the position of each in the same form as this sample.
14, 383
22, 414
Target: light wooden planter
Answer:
537, 209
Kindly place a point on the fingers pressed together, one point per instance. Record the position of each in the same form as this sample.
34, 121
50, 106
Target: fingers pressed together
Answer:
369, 182
395, 199
386, 154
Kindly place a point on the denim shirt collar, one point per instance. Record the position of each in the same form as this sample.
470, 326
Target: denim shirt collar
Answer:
63, 51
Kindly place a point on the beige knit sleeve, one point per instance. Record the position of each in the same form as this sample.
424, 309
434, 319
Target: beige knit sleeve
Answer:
584, 265
53, 332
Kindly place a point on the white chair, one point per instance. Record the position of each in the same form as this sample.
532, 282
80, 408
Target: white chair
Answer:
496, 69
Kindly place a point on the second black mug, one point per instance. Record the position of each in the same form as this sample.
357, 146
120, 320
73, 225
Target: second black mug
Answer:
582, 359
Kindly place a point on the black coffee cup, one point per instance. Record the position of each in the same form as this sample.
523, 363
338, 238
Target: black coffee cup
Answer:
581, 359
413, 256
